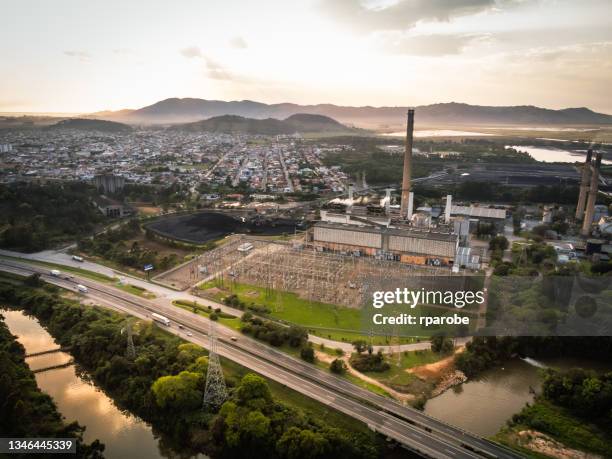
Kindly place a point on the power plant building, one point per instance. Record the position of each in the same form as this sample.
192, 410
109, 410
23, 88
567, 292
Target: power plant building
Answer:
408, 245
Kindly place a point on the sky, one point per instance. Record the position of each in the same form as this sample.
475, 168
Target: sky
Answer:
76, 56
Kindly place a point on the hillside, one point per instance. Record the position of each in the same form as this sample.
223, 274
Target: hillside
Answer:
302, 123
172, 111
91, 125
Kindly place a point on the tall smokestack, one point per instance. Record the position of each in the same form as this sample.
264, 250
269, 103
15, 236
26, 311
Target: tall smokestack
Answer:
590, 206
447, 211
584, 185
407, 165
350, 198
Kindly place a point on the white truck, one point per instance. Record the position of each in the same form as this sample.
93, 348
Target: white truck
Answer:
55, 272
161, 319
81, 288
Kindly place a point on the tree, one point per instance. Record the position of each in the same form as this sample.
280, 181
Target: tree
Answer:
302, 444
33, 280
296, 335
337, 366
360, 346
498, 243
181, 392
307, 354
441, 344
253, 387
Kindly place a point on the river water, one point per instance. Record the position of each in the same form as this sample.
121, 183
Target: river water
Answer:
484, 404
124, 435
554, 155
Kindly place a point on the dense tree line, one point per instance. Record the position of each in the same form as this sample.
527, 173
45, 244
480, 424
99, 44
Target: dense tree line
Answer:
584, 392
165, 382
25, 411
273, 333
485, 352
33, 217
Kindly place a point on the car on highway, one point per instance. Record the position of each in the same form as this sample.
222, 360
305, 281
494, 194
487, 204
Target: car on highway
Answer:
77, 258
55, 272
81, 288
189, 334
234, 338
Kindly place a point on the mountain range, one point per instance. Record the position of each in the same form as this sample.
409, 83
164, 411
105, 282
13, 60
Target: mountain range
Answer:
302, 123
174, 111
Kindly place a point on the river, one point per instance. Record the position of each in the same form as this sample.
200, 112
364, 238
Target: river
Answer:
123, 434
554, 155
484, 404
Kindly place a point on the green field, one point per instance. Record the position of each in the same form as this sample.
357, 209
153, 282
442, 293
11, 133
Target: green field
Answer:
399, 378
225, 319
135, 290
330, 321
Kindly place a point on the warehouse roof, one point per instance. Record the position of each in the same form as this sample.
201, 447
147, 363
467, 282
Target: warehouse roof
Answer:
406, 232
480, 212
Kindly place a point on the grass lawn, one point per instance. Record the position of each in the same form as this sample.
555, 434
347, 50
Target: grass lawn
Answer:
135, 290
330, 321
69, 269
225, 319
400, 379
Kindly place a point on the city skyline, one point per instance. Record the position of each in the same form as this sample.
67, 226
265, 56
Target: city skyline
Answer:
81, 58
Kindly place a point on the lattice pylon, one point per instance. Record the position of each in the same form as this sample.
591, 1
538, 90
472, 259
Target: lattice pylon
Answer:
130, 351
215, 392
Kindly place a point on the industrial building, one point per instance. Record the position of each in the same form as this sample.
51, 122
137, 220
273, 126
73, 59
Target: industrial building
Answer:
371, 227
109, 183
408, 245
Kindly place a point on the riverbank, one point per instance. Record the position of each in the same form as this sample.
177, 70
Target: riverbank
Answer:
101, 350
27, 411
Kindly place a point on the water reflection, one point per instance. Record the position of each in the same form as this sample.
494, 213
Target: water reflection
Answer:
483, 405
124, 435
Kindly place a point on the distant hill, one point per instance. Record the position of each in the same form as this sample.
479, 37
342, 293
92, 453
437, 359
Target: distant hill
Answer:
91, 125
302, 123
172, 111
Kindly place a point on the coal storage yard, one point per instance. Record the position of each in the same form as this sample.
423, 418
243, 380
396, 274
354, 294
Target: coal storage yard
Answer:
202, 227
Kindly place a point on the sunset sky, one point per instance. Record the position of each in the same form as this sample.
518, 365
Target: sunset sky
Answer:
85, 56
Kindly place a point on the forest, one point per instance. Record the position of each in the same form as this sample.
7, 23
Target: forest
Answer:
164, 385
35, 217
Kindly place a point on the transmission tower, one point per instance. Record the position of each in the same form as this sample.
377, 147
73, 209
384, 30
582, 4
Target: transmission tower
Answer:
130, 352
215, 392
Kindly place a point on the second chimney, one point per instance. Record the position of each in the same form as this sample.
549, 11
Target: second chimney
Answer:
590, 205
447, 210
406, 185
584, 186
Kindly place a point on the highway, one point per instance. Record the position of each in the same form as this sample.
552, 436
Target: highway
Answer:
411, 428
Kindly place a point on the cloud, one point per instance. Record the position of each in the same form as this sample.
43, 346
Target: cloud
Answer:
239, 42
429, 45
404, 14
216, 71
191, 52
80, 55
